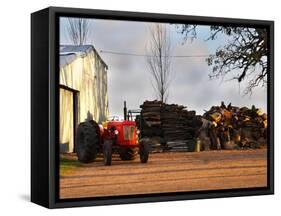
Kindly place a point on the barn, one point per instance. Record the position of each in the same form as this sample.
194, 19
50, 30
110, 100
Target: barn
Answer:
83, 91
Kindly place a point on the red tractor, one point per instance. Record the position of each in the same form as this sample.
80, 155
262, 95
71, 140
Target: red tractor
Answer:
118, 136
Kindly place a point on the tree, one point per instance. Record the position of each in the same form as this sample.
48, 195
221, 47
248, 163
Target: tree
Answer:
78, 30
159, 60
246, 51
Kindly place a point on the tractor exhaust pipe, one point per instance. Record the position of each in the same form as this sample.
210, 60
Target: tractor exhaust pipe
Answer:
125, 111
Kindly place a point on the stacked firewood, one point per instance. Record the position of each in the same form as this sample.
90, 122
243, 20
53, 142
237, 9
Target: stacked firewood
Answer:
231, 127
177, 122
151, 119
171, 127
150, 124
171, 123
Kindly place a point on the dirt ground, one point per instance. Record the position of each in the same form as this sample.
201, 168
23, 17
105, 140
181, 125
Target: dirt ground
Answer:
165, 172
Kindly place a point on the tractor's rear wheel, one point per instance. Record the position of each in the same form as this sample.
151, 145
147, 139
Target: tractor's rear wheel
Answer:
144, 152
128, 153
88, 139
107, 152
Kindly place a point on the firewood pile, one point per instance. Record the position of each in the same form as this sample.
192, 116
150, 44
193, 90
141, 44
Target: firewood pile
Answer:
230, 127
173, 125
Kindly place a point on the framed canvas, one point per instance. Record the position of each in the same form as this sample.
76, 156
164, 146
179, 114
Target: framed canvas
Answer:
133, 107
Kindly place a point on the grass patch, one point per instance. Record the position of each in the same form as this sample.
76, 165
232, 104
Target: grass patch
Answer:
67, 165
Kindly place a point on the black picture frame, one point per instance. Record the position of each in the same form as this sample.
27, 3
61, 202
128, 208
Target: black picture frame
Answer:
44, 105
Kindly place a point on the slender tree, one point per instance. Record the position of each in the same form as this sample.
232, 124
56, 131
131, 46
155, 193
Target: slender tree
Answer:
78, 30
246, 51
159, 60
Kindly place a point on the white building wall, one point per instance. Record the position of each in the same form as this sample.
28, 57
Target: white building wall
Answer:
88, 75
66, 121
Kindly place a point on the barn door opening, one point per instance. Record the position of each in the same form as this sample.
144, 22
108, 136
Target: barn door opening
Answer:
68, 119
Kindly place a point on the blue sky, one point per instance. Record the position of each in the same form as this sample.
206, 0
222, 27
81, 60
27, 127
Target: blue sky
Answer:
129, 78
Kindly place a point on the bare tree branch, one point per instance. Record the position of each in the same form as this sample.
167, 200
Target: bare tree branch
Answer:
78, 30
159, 60
246, 52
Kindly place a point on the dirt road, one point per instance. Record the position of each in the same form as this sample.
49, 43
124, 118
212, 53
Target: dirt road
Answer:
167, 172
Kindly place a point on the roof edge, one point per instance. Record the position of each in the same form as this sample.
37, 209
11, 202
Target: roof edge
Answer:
91, 47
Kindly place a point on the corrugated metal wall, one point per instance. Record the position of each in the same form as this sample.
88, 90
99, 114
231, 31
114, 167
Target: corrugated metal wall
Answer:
87, 75
66, 121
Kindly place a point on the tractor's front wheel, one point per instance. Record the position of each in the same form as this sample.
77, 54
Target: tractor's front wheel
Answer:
107, 152
144, 152
88, 139
128, 153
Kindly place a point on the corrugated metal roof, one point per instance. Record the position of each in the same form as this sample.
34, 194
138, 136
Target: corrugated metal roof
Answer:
66, 59
75, 49
69, 53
